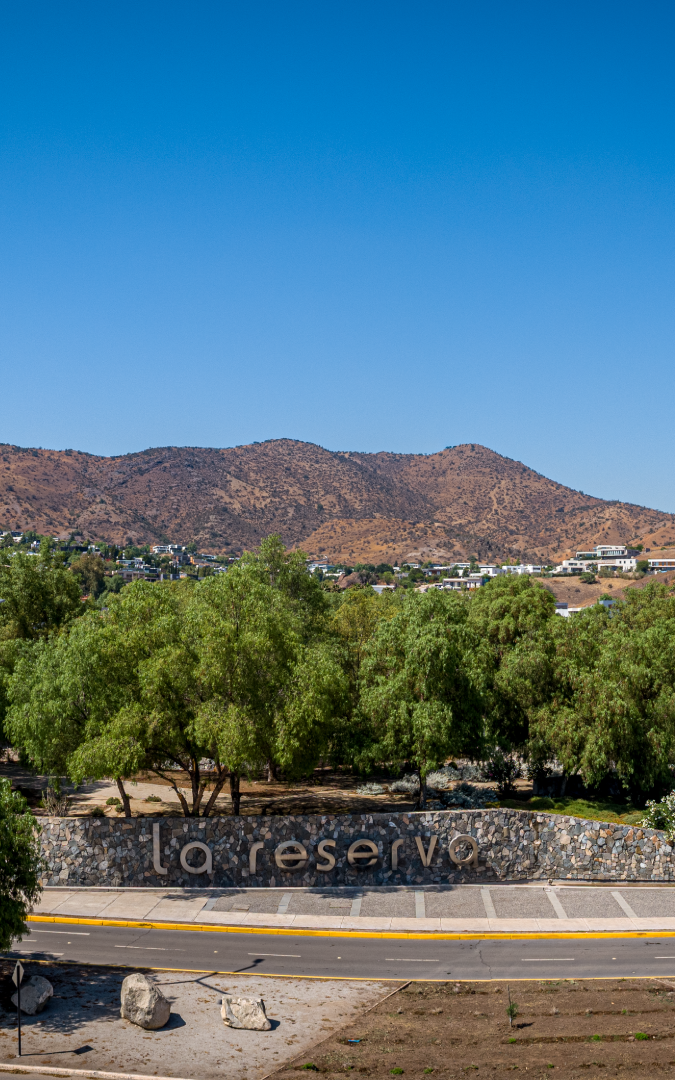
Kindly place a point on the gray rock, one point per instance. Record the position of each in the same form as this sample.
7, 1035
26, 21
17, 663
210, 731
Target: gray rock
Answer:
244, 1013
35, 994
143, 1003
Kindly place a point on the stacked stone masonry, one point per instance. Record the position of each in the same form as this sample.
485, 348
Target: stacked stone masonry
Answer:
511, 845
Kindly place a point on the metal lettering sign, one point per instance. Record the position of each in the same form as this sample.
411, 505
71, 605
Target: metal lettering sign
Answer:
291, 856
17, 974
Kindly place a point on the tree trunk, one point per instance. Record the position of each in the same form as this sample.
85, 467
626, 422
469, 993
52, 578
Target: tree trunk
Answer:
271, 771
235, 793
422, 798
218, 787
125, 798
197, 787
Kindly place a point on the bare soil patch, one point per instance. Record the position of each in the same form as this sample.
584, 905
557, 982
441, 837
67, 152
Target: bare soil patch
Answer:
562, 1029
328, 792
579, 593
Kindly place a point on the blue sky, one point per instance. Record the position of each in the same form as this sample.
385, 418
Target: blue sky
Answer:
371, 226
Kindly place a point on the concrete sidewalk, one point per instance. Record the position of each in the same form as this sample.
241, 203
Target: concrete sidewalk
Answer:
472, 909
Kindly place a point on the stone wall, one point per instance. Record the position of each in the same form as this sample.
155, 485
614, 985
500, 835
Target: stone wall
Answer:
510, 845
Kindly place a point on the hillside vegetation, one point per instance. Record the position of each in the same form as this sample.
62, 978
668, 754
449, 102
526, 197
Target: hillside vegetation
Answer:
348, 506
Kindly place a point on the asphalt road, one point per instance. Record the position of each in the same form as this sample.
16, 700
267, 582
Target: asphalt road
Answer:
352, 957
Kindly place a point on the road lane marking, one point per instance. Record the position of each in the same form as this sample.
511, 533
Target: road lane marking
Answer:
543, 959
295, 956
148, 948
68, 933
408, 960
664, 957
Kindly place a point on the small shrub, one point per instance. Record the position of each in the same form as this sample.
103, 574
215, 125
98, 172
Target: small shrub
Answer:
54, 802
113, 801
408, 784
310, 1065
153, 798
469, 797
503, 769
97, 811
397, 1071
513, 1039
440, 779
661, 815
641, 1035
370, 789
511, 1008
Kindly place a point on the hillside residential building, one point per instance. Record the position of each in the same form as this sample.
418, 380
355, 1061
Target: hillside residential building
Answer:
607, 551
611, 556
522, 569
563, 608
473, 581
661, 566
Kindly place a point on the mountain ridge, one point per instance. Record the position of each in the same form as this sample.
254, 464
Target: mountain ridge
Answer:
347, 505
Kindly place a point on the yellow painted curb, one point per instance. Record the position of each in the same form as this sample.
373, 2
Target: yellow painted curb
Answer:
340, 978
430, 935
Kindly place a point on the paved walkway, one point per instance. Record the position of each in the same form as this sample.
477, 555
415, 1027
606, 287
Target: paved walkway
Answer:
454, 909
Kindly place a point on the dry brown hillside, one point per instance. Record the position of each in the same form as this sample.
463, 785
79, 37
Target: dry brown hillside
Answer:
350, 506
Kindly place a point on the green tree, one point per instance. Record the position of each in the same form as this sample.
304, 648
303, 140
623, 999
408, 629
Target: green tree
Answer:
353, 625
38, 596
274, 685
512, 618
612, 709
418, 694
237, 669
66, 693
90, 570
20, 864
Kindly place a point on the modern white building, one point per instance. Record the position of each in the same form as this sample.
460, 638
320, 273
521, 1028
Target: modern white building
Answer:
661, 566
522, 569
473, 581
611, 556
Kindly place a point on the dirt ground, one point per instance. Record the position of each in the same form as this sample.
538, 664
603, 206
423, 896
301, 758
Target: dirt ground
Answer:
562, 1029
577, 593
82, 1028
329, 792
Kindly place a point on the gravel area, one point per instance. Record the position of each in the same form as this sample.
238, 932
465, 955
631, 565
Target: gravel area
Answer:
82, 1027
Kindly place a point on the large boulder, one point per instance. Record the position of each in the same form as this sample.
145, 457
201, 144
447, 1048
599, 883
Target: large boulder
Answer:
35, 994
244, 1013
143, 1003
